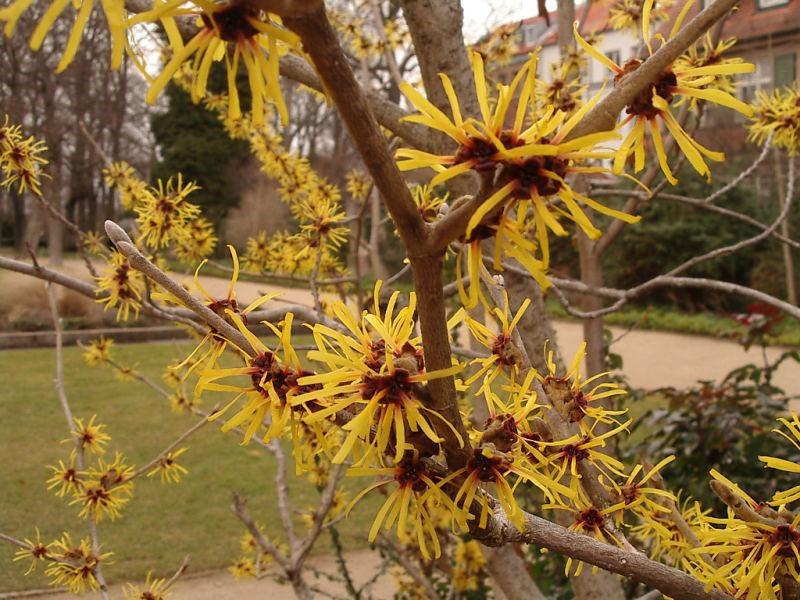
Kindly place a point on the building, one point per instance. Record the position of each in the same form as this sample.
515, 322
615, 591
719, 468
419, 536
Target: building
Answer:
767, 33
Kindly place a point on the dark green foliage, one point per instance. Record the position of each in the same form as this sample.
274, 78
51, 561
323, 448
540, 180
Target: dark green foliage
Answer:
723, 426
192, 141
671, 232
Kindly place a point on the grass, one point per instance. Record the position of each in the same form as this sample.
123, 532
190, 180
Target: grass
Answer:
163, 523
664, 318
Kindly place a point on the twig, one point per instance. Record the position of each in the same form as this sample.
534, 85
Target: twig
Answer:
239, 508
282, 491
743, 175
185, 435
313, 279
181, 570
326, 500
79, 457
725, 250
141, 263
413, 570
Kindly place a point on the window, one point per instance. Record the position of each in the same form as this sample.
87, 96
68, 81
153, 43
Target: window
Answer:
530, 34
615, 56
771, 3
784, 70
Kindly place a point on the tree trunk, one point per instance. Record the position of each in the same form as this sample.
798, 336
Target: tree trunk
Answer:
510, 574
592, 274
376, 228
788, 259
20, 222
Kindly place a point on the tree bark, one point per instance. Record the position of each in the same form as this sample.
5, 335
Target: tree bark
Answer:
509, 571
591, 264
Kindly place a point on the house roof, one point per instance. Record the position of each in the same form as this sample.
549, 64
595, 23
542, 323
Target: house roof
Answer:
748, 22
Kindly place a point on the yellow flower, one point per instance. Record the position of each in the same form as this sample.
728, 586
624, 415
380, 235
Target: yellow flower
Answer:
106, 490
20, 159
35, 552
94, 243
122, 176
91, 437
501, 45
535, 161
571, 397
321, 219
376, 369
792, 494
257, 254
358, 185
74, 566
591, 521
706, 55
665, 541
168, 467
180, 402
273, 383
115, 15
564, 91
163, 213
510, 230
65, 477
212, 345
759, 554
122, 285
428, 202
243, 568
628, 14
652, 107
239, 33
504, 354
97, 351
778, 113
566, 454
485, 466
410, 504
638, 497
195, 241
154, 589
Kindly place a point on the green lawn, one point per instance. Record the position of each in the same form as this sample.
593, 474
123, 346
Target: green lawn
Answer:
163, 522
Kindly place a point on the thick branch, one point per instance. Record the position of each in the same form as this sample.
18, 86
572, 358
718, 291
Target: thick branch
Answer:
638, 567
322, 45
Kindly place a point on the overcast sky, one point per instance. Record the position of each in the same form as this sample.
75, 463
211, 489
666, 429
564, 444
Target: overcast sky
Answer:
482, 15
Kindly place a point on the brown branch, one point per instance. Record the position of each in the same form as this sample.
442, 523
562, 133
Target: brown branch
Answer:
141, 263
143, 470
322, 45
633, 565
282, 492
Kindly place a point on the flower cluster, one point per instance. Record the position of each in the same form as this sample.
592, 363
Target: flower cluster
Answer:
243, 35
777, 113
629, 14
74, 565
533, 160
686, 79
20, 159
122, 176
366, 41
120, 287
